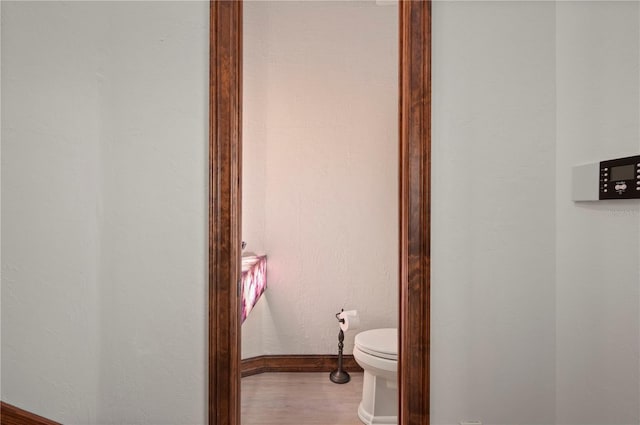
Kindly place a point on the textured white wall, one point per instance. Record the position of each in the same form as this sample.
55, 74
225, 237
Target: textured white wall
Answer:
547, 330
493, 222
104, 185
320, 142
598, 267
50, 190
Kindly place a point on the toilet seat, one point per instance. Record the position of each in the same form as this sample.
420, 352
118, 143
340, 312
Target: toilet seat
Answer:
382, 343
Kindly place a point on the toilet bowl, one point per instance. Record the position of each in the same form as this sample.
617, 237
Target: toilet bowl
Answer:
376, 351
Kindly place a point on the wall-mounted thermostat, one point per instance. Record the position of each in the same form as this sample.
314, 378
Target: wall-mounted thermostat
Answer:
613, 179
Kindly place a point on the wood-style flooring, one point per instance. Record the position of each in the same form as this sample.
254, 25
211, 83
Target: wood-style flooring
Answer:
300, 399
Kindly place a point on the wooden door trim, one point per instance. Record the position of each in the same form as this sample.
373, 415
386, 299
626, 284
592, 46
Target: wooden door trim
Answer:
225, 107
415, 211
225, 160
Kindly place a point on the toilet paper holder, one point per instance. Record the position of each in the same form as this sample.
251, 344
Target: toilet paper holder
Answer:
340, 376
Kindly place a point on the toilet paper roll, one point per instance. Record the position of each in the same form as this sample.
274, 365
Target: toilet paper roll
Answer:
351, 320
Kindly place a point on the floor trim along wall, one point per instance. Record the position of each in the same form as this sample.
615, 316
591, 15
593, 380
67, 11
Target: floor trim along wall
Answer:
297, 363
12, 415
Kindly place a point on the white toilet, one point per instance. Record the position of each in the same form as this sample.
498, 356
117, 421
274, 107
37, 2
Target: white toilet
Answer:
376, 351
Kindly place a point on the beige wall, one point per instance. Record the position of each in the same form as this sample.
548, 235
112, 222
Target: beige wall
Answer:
320, 171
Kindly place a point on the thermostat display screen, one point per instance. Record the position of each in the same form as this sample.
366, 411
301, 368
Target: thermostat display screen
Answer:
623, 172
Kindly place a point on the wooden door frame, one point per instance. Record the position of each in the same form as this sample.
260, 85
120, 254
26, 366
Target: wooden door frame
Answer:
225, 160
